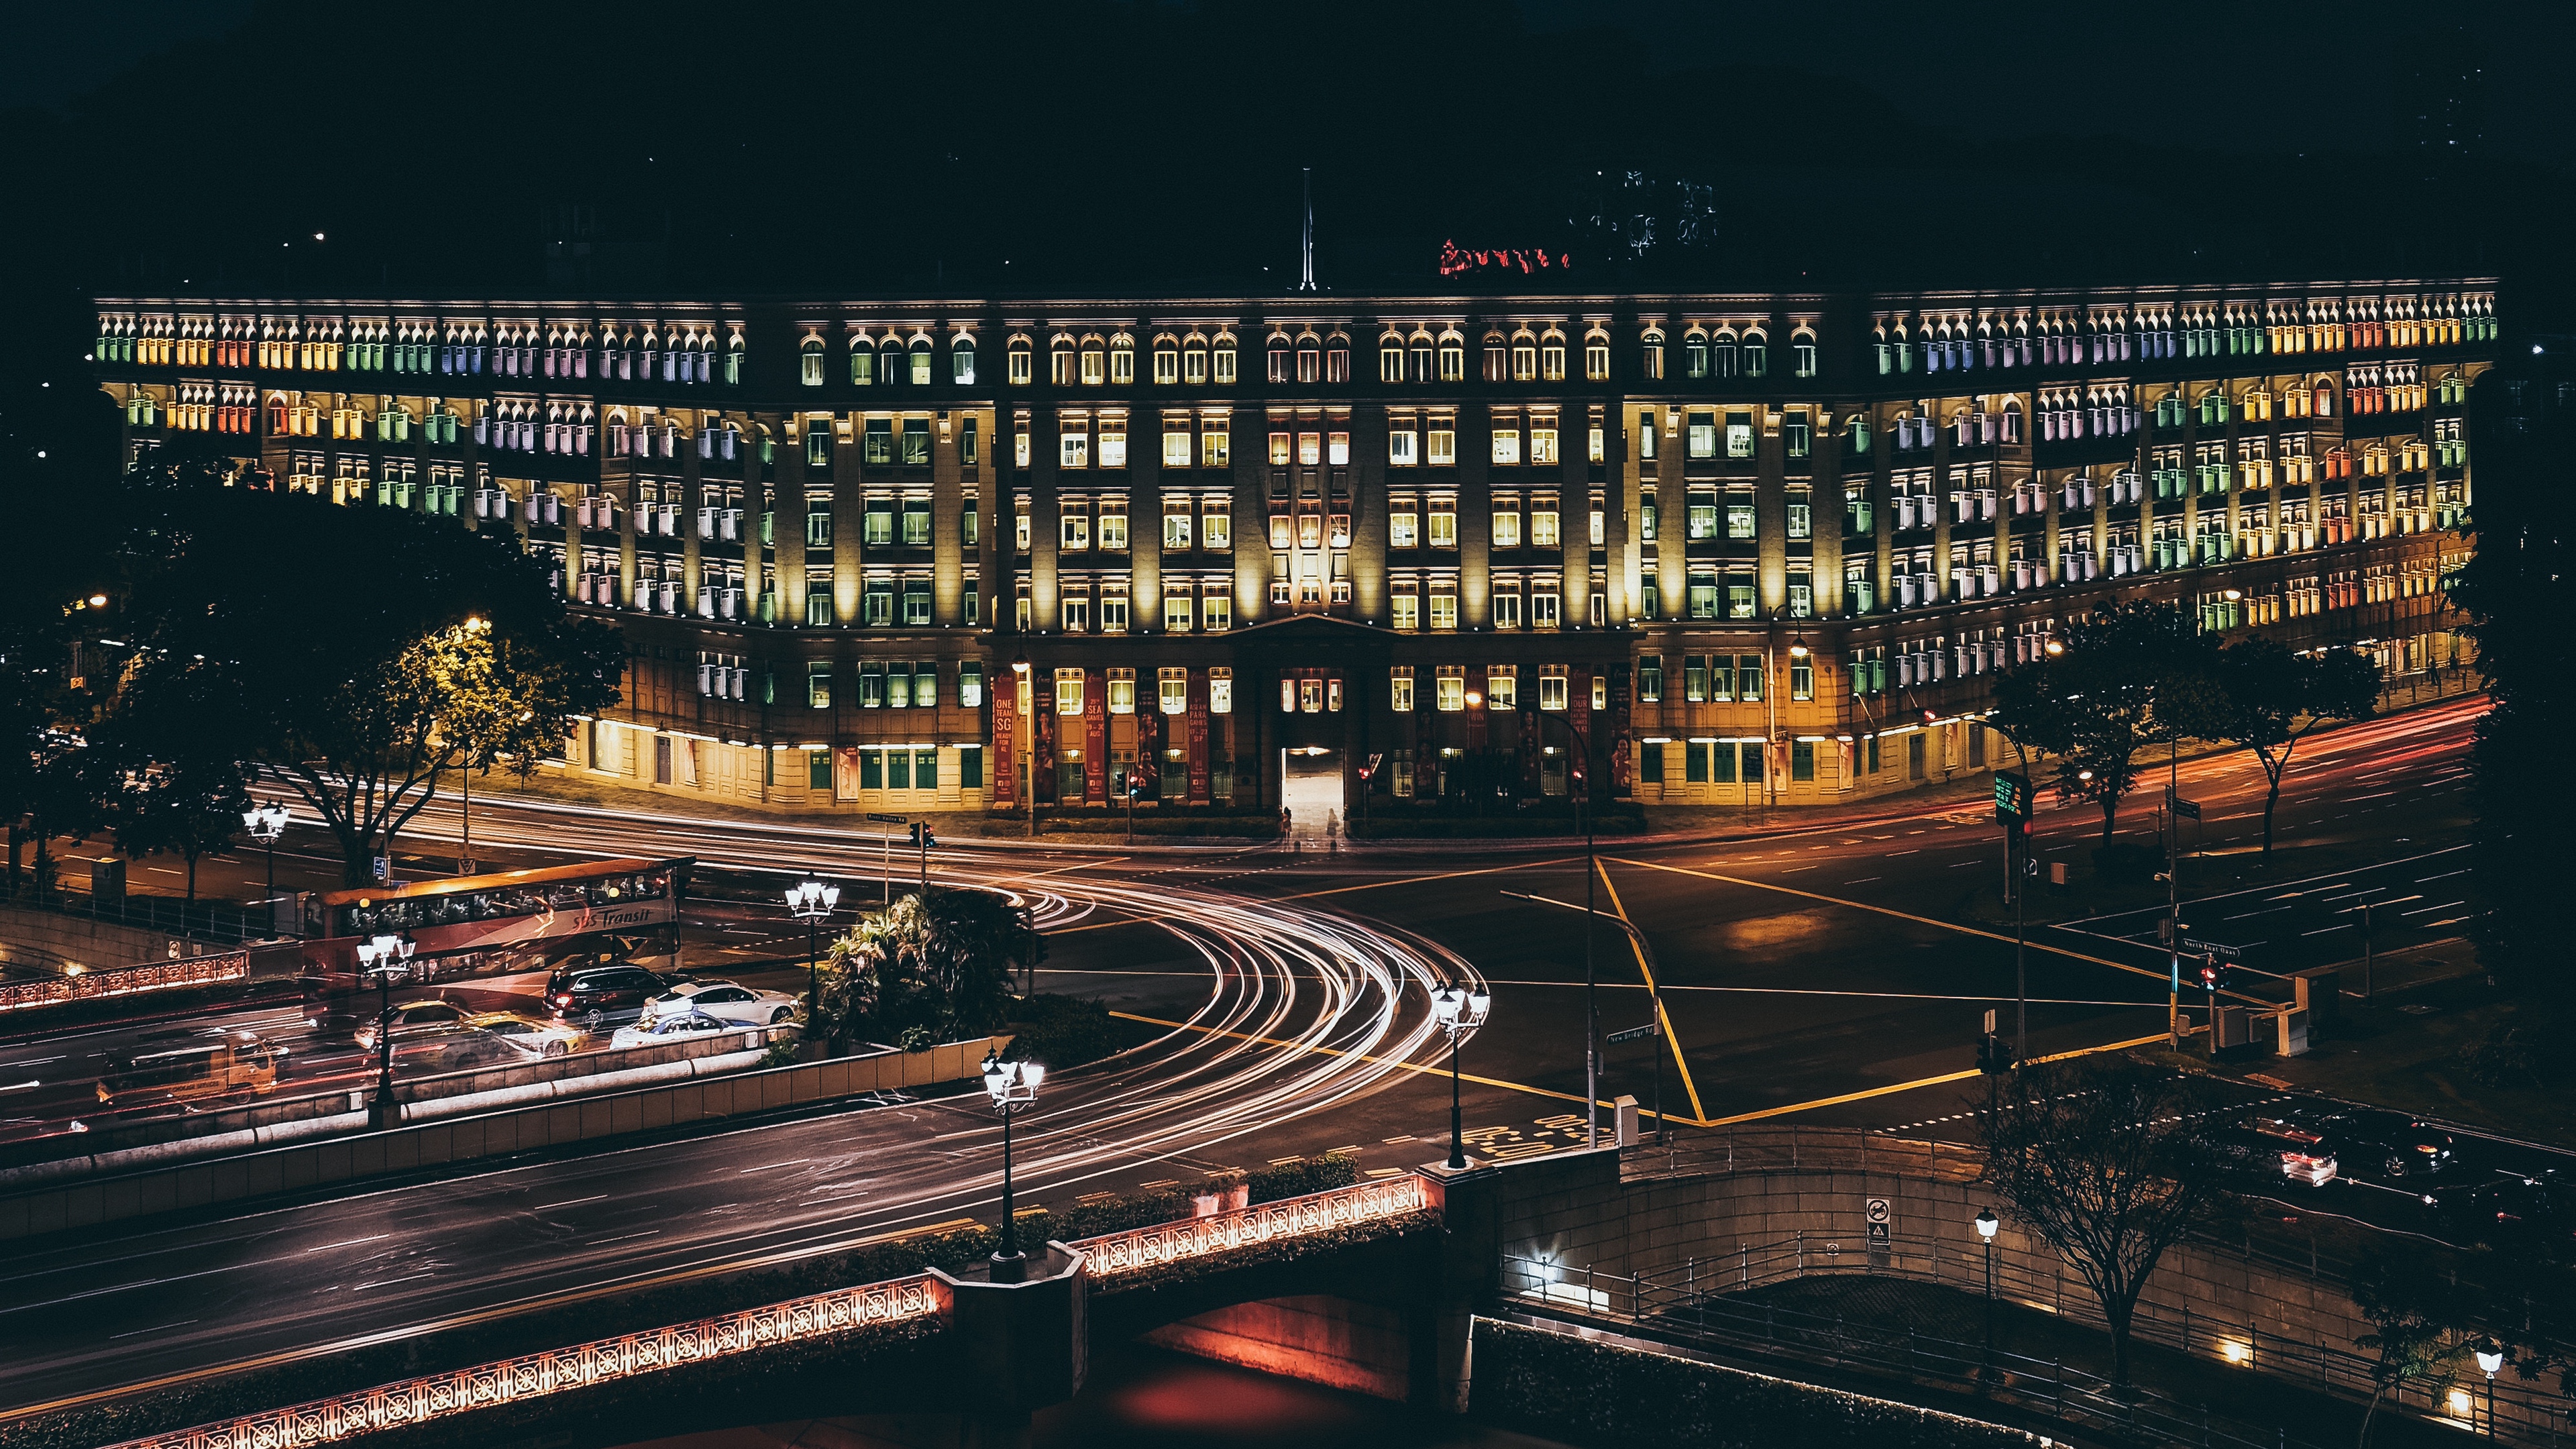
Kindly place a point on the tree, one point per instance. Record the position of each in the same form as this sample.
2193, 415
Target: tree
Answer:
351, 672
941, 966
2415, 1310
2127, 678
166, 786
2109, 1162
2269, 697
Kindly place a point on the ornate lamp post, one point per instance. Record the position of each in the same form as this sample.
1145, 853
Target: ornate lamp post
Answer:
387, 959
811, 902
2490, 1358
1459, 1010
1987, 1222
1013, 1087
265, 824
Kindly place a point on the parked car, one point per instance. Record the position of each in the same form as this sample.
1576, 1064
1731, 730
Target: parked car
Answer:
662, 1031
743, 1005
597, 995
538, 1037
411, 1019
188, 1069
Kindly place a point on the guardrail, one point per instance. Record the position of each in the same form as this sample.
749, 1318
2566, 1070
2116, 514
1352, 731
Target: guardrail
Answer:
210, 970
606, 1360
554, 1371
1801, 1149
208, 919
1693, 1299
1115, 1254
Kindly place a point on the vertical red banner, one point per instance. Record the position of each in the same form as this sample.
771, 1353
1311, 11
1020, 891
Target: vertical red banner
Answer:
1201, 792
1095, 738
1426, 749
1006, 743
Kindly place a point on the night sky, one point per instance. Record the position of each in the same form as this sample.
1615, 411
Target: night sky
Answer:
1009, 145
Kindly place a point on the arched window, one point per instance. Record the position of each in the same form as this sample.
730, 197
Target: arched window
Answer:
890, 364
1596, 357
920, 361
812, 353
1419, 347
1021, 362
1802, 351
1524, 357
1095, 365
1167, 361
1060, 362
1695, 360
1650, 355
1390, 358
1551, 357
1278, 354
961, 360
1310, 360
1497, 358
1122, 360
863, 360
1337, 359
1222, 368
733, 360
1194, 360
1757, 353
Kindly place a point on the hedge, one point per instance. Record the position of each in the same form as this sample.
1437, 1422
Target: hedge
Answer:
1602, 1396
1066, 1031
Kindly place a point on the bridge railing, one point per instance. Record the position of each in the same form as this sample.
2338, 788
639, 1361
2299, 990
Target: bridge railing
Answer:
1115, 1254
210, 970
515, 1380
1752, 1148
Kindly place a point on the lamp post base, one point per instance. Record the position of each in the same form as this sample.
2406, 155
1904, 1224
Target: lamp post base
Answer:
1009, 1268
383, 1112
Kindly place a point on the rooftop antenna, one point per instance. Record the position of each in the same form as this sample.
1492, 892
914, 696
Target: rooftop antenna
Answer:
1307, 191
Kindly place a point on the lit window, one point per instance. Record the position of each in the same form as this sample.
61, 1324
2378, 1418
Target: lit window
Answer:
1176, 609
1507, 523
1074, 527
1167, 365
1400, 448
1122, 691
1390, 361
1507, 445
1113, 443
1596, 360
1702, 435
1337, 449
1216, 519
1444, 605
1020, 363
1449, 688
1310, 448
1212, 447
1221, 690
1551, 361
1172, 690
1068, 691
1403, 523
1113, 524
1122, 363
1176, 524
1216, 614
1543, 529
1094, 366
1542, 447
1444, 523
1225, 363
1281, 446
1176, 447
1443, 451
1552, 686
1400, 688
1405, 610
1453, 359
1194, 364
1074, 448
1503, 686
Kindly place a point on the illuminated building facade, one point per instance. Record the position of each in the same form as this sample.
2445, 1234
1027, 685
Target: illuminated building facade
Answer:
1739, 547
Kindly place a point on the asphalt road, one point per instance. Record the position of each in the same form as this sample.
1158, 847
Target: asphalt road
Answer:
1827, 973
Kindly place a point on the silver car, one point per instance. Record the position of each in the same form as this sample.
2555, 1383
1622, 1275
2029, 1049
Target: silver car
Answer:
726, 1001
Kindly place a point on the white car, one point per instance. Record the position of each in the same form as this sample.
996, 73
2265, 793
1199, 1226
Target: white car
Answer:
725, 1000
664, 1030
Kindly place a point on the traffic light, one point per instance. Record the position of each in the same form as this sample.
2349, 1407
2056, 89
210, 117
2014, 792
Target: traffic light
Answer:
1993, 1056
922, 839
2209, 974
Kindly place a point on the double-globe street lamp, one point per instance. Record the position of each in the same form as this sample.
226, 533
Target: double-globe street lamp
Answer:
266, 823
1013, 1087
387, 959
811, 902
1459, 1010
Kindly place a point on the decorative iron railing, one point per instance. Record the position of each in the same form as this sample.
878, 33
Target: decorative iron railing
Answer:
209, 970
535, 1375
1108, 1257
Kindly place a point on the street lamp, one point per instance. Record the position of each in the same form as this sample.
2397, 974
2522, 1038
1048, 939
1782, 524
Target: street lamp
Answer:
1987, 1222
388, 960
265, 824
810, 902
1013, 1087
2490, 1358
1026, 707
1459, 1010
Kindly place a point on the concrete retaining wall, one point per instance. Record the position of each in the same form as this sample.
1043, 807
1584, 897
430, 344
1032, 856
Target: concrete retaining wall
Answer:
1359, 1347
47, 938
466, 1139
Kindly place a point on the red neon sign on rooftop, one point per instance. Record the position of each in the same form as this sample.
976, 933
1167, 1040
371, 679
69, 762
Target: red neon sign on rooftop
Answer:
1455, 263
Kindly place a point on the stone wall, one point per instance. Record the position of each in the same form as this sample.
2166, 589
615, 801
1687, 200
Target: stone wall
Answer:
1359, 1347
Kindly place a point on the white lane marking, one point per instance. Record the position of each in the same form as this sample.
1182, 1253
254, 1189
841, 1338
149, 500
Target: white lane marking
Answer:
569, 1202
156, 1328
604, 1242
351, 1243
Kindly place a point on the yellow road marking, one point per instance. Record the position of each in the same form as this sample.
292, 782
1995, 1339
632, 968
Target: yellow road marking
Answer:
481, 1315
1422, 879
1890, 911
1427, 1068
2115, 1046
1662, 1018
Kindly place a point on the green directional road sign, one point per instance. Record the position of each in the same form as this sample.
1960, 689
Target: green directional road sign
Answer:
2012, 796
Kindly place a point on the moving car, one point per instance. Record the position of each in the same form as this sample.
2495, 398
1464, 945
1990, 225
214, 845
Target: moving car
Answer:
596, 995
536, 1036
662, 1031
2306, 1157
412, 1020
192, 1069
742, 1005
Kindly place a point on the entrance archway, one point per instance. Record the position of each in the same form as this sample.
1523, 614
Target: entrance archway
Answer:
1310, 789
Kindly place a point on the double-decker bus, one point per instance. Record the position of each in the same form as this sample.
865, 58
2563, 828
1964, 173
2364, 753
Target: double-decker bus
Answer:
490, 942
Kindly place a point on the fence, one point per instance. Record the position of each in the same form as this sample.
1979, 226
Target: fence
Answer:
211, 970
1693, 1299
1136, 1249
484, 1386
229, 922
1792, 1149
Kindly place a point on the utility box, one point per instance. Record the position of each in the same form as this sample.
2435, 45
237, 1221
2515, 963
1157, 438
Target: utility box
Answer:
2320, 994
1627, 1110
2290, 1033
2234, 1030
107, 881
2057, 875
